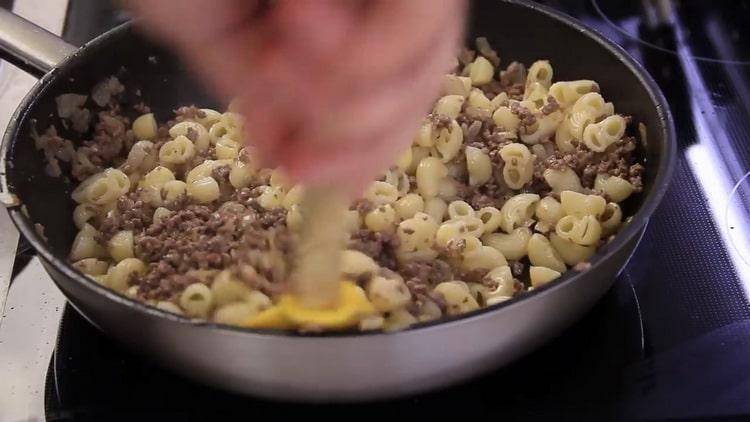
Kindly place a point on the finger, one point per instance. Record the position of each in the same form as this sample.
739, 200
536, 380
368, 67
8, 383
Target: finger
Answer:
314, 30
395, 31
403, 95
350, 164
192, 21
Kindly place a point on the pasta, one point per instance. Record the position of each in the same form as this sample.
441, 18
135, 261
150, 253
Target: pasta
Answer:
548, 210
477, 99
478, 165
449, 142
409, 205
584, 230
381, 218
611, 218
481, 71
457, 297
568, 92
196, 132
119, 275
570, 252
381, 193
456, 85
517, 211
196, 300
491, 218
120, 246
511, 180
483, 258
204, 190
617, 188
177, 151
563, 179
387, 294
540, 276
429, 174
417, 233
513, 245
505, 118
540, 72
85, 244
541, 253
519, 167
599, 136
144, 127
449, 106
460, 209
578, 204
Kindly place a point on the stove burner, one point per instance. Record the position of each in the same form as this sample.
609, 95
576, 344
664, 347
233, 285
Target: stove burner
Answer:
717, 26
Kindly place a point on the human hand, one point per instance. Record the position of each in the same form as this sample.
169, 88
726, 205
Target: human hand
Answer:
333, 90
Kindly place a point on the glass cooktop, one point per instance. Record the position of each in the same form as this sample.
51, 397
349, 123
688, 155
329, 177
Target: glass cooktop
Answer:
671, 339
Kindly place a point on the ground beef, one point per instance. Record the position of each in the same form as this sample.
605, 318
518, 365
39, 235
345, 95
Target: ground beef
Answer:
466, 56
272, 218
428, 273
491, 194
513, 80
161, 282
517, 268
221, 173
471, 133
454, 249
243, 195
480, 200
142, 108
208, 237
111, 138
527, 120
380, 246
422, 277
489, 53
189, 113
439, 121
55, 149
514, 74
551, 106
362, 206
131, 213
538, 182
473, 276
106, 92
616, 161
482, 133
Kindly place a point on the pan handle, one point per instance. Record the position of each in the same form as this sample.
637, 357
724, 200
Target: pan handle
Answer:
30, 47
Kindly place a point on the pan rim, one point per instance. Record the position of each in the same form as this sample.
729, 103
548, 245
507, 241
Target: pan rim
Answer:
639, 219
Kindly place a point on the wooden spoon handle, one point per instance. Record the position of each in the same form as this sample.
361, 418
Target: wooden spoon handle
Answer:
316, 277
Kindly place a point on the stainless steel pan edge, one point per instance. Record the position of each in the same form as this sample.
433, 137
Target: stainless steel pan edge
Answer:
352, 366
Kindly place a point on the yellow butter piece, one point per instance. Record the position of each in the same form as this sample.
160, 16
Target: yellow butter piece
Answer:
289, 312
272, 318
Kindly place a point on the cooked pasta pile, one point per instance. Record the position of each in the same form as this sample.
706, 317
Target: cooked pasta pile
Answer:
509, 182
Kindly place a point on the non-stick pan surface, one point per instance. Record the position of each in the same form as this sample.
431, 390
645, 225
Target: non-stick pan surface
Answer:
347, 366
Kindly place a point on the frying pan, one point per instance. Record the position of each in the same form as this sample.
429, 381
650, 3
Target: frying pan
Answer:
339, 366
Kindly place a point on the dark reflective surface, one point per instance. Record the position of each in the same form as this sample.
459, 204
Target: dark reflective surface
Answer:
670, 340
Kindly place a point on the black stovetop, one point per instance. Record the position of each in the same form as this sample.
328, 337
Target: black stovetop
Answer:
671, 339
